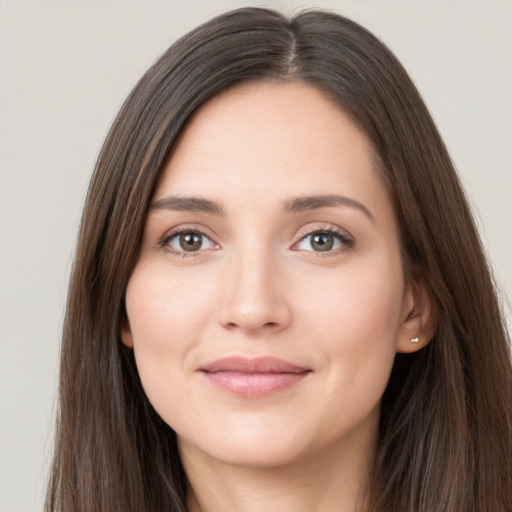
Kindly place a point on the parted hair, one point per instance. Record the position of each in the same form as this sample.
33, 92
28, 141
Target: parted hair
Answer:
445, 437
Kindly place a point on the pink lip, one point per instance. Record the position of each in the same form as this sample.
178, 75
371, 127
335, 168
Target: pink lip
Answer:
253, 378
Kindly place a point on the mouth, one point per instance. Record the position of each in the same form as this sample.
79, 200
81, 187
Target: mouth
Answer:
253, 378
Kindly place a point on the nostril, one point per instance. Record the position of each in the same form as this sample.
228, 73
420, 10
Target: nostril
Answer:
266, 325
251, 310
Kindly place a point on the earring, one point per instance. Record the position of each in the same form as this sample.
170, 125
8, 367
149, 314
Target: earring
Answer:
415, 340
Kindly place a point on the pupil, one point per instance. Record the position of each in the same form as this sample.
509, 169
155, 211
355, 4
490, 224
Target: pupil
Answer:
190, 241
322, 242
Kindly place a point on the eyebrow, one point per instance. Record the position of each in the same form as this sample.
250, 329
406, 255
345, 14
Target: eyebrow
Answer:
295, 205
188, 204
302, 204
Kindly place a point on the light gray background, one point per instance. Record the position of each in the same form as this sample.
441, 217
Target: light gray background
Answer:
65, 68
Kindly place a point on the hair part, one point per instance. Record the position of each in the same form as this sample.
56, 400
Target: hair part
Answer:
445, 440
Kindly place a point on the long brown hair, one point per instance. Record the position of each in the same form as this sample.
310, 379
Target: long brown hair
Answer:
445, 441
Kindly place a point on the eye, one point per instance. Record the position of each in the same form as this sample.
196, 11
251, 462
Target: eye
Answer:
188, 241
323, 241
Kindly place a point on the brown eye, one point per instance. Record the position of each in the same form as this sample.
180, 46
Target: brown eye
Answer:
322, 242
189, 241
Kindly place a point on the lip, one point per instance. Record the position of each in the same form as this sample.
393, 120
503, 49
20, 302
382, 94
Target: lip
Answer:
253, 377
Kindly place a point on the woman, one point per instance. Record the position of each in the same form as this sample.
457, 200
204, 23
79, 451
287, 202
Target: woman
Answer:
279, 297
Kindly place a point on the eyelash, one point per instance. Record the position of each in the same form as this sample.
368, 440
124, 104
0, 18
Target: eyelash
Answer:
346, 241
169, 236
330, 230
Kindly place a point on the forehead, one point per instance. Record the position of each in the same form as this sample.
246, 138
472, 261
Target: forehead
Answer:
268, 139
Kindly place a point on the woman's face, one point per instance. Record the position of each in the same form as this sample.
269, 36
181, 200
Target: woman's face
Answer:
269, 300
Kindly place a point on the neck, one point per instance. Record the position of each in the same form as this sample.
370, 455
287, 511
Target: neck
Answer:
336, 480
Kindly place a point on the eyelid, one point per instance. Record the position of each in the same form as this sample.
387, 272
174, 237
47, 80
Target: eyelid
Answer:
346, 238
184, 228
342, 235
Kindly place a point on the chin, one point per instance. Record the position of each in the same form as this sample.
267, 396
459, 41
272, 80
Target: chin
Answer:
250, 447
254, 455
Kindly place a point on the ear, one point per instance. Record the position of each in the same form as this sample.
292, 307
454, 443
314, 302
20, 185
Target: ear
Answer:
126, 334
419, 317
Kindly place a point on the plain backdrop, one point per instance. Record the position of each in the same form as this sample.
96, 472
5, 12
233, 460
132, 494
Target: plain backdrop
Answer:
66, 67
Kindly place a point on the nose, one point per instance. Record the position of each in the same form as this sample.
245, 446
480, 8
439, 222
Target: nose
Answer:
253, 294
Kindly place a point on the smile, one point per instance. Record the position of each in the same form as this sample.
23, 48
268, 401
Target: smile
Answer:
253, 378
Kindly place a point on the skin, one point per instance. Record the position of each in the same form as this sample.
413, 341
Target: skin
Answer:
257, 285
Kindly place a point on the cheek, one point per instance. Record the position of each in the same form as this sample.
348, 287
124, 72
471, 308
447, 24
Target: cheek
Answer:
164, 311
166, 316
359, 313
